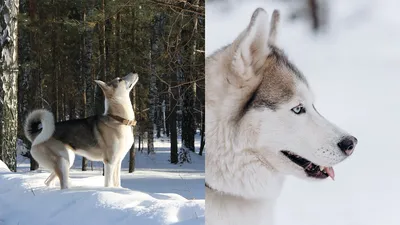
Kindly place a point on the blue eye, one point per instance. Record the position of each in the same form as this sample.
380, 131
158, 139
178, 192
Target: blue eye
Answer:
299, 109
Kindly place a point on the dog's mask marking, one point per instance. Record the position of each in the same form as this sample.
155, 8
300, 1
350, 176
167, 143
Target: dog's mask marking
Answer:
276, 87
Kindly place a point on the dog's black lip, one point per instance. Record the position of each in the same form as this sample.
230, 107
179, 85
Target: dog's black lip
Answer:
311, 169
130, 85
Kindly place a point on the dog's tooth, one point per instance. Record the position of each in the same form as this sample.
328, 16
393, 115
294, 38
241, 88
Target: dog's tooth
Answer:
321, 168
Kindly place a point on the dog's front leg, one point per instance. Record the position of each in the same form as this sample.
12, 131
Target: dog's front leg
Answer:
117, 174
109, 174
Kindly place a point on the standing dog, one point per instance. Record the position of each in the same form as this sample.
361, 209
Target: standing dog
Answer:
261, 124
106, 137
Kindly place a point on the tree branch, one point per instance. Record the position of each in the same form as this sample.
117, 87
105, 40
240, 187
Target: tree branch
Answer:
198, 10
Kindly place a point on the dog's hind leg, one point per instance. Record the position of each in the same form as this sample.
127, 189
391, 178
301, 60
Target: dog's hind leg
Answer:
46, 159
50, 179
43, 157
62, 171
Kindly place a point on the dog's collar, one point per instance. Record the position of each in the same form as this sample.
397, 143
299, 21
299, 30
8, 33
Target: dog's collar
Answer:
123, 120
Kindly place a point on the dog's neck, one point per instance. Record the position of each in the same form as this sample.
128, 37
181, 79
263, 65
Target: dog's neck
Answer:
224, 209
121, 109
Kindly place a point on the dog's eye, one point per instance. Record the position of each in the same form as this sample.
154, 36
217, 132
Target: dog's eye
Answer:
299, 109
119, 79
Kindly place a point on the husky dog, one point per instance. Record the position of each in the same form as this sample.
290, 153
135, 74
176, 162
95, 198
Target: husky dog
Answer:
106, 137
261, 125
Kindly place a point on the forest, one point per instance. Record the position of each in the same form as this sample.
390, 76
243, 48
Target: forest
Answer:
52, 51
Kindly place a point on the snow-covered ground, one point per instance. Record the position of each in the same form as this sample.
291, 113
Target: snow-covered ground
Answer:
354, 70
156, 193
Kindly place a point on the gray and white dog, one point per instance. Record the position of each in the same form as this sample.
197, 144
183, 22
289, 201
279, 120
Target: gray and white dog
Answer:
261, 125
106, 137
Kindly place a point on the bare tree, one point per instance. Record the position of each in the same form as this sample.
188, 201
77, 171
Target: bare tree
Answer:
86, 70
9, 77
156, 49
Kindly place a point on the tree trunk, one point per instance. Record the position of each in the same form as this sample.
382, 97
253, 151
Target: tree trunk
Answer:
118, 45
202, 140
319, 13
175, 78
26, 75
140, 143
313, 6
33, 165
156, 49
172, 121
159, 122
9, 77
108, 29
168, 124
188, 118
152, 99
102, 61
132, 158
54, 55
132, 150
36, 75
87, 42
188, 121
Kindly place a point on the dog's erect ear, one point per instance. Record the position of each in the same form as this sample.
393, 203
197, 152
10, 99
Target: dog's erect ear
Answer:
273, 27
102, 85
135, 79
252, 43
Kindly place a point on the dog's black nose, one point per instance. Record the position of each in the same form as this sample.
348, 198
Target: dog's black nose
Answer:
347, 144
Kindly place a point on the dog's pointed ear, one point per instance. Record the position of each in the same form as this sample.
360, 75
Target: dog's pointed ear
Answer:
102, 85
252, 43
135, 79
273, 31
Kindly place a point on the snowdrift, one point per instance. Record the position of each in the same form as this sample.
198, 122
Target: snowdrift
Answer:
25, 200
157, 193
3, 167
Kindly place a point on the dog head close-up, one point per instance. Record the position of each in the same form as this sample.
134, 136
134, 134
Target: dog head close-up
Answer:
261, 118
116, 94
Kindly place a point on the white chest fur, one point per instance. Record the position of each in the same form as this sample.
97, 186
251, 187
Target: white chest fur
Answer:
126, 140
230, 210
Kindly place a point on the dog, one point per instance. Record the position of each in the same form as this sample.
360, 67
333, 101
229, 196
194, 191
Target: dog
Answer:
106, 137
261, 125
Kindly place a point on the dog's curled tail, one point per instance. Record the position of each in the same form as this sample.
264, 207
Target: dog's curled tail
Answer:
33, 132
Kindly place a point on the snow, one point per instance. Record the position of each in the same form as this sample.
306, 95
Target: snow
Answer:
156, 193
354, 72
3, 167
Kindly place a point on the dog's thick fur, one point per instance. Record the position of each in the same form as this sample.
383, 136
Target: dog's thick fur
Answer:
259, 105
106, 137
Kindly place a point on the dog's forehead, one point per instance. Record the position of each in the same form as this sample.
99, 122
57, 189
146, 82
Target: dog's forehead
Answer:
304, 92
283, 61
280, 81
114, 82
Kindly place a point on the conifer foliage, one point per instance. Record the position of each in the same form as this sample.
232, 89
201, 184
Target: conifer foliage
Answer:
64, 45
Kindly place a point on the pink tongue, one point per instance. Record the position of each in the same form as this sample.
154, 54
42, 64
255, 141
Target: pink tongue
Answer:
330, 172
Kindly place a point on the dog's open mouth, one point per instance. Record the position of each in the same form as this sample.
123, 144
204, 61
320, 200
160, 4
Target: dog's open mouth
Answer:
311, 169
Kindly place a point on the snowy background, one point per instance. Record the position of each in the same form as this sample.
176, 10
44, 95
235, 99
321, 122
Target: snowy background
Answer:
156, 193
354, 71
